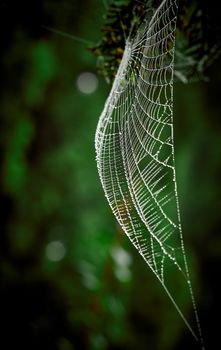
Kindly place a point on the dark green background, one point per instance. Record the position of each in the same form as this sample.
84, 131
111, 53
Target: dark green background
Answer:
50, 191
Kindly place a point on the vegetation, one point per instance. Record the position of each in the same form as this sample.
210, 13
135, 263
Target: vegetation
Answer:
69, 277
198, 41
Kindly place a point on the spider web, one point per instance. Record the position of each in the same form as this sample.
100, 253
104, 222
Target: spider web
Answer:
135, 152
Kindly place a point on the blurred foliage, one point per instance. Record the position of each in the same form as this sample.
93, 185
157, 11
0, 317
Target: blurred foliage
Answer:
69, 277
198, 37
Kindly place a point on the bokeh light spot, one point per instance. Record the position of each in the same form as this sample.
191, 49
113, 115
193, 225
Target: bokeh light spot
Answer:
55, 251
121, 257
87, 83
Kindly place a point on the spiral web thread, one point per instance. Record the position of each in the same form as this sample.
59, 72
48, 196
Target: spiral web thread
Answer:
135, 151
